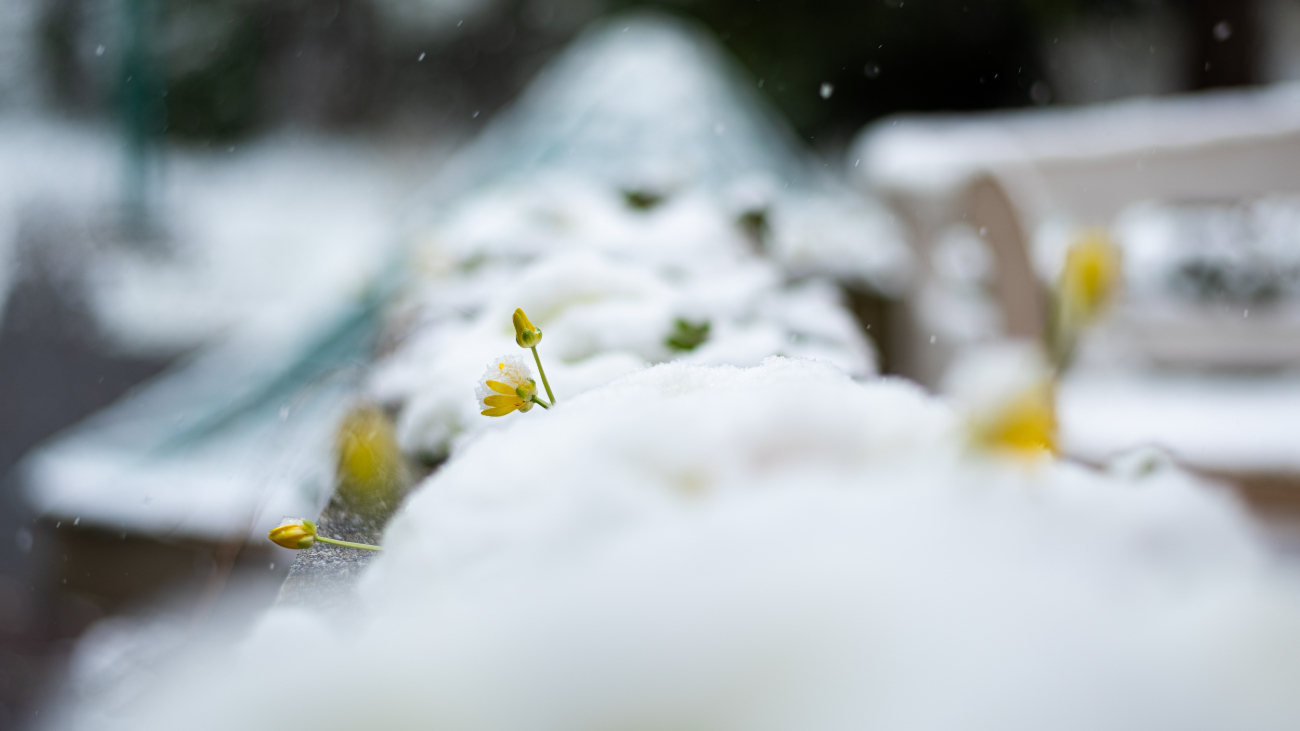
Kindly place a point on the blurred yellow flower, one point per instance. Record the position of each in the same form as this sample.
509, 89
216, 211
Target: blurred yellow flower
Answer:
1090, 276
1006, 393
526, 334
507, 386
295, 533
1086, 286
372, 472
1025, 424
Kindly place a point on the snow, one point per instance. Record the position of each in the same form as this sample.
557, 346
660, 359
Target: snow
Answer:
986, 378
607, 204
274, 260
933, 153
47, 166
604, 203
283, 221
607, 287
280, 222
222, 446
777, 546
1214, 421
648, 103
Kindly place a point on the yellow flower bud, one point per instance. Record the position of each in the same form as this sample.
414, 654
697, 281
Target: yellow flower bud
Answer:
1026, 425
1086, 286
1090, 275
294, 533
526, 334
526, 390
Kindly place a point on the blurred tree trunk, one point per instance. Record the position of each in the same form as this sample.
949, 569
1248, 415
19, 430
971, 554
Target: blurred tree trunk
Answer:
1224, 42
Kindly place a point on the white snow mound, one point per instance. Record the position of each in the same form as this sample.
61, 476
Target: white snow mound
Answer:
775, 547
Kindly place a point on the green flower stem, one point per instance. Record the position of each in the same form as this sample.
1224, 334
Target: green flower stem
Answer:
542, 371
349, 544
541, 403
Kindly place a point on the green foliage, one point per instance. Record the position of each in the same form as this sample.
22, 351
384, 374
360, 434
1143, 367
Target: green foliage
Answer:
687, 336
642, 200
756, 228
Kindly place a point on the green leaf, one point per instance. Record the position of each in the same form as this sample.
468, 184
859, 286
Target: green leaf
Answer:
687, 335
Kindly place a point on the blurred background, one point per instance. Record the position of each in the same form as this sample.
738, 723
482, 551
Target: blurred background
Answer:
172, 170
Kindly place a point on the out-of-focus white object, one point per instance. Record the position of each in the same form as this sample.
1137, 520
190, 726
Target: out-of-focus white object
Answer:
1219, 423
768, 548
1210, 284
1091, 162
49, 165
1200, 193
1004, 182
279, 222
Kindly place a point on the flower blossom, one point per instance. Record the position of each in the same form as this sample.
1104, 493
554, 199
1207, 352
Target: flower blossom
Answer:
507, 386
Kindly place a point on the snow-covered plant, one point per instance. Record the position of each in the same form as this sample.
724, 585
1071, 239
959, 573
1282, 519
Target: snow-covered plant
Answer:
508, 386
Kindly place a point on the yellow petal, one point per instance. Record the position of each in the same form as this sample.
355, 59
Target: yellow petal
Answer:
294, 534
1027, 424
500, 387
526, 333
511, 400
499, 411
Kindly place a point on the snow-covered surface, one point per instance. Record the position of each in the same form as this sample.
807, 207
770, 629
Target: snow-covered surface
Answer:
537, 214
936, 152
1224, 422
277, 222
221, 447
610, 203
607, 285
268, 270
48, 166
286, 221
774, 547
644, 102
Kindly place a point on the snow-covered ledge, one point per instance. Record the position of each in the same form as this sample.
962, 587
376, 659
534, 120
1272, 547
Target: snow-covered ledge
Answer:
771, 547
